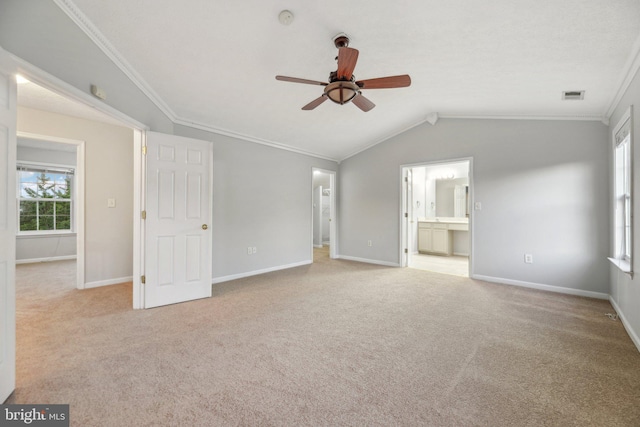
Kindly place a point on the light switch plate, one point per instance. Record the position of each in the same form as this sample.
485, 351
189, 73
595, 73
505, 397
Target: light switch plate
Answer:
111, 203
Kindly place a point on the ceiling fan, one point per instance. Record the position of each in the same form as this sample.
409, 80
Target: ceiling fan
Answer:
343, 86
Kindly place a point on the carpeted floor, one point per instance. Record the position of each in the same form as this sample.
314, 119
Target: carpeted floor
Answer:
332, 343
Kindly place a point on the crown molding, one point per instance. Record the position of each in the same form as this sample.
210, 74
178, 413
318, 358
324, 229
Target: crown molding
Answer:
83, 22
588, 118
629, 72
248, 138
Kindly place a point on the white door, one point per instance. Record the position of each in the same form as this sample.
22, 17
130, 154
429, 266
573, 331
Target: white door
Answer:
178, 218
7, 228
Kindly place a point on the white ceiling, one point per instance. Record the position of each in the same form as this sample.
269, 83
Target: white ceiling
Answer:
212, 62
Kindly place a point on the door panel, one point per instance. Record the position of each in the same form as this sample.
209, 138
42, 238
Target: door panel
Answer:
178, 236
7, 227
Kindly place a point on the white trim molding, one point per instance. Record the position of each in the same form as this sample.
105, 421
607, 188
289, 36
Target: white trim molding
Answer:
50, 259
541, 287
257, 272
369, 261
629, 71
116, 281
632, 334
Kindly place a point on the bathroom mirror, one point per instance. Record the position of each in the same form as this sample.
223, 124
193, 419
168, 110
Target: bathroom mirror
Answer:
452, 197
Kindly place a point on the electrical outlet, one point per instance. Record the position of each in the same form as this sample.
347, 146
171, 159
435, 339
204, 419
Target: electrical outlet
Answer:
111, 203
369, 243
254, 250
249, 250
477, 206
528, 258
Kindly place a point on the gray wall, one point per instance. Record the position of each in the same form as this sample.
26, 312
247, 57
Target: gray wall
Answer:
42, 34
262, 197
43, 247
543, 185
108, 174
625, 291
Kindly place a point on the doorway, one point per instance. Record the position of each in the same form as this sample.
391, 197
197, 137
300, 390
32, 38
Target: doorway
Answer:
323, 230
58, 236
437, 216
101, 140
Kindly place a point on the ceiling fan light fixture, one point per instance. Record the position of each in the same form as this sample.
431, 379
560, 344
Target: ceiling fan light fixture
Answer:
341, 92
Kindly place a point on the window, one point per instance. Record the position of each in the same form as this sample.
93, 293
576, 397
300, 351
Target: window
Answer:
45, 199
623, 215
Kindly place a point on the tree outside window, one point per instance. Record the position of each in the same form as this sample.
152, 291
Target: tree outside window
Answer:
45, 200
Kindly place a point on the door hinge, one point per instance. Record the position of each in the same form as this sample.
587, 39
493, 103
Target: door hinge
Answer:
406, 215
406, 179
406, 251
143, 214
144, 149
143, 279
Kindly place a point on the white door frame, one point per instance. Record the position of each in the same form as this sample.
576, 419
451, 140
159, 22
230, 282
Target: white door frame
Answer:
404, 225
8, 221
78, 197
333, 222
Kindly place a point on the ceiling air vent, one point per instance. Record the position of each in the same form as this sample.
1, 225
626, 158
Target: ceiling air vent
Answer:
573, 95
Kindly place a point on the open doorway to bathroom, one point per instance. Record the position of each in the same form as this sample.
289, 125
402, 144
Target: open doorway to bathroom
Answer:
323, 230
436, 227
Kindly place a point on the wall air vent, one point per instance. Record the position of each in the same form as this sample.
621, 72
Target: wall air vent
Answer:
573, 95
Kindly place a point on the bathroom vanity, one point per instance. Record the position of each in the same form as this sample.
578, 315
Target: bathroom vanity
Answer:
435, 235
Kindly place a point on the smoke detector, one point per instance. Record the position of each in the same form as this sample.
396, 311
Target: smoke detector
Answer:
285, 17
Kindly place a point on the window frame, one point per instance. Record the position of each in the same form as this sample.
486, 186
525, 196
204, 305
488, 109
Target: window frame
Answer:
622, 200
38, 167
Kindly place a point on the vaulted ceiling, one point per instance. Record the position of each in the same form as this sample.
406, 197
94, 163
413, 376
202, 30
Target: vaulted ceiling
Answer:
213, 63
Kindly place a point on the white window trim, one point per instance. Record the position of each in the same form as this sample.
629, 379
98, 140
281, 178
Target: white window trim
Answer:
53, 167
622, 262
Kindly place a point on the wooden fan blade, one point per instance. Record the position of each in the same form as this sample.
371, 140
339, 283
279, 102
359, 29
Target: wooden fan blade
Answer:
347, 58
297, 80
385, 82
313, 104
363, 103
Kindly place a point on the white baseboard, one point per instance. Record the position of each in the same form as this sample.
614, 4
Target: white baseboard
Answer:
256, 272
108, 282
542, 287
369, 261
50, 259
632, 334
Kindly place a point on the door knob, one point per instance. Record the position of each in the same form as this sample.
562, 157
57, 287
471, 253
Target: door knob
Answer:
204, 226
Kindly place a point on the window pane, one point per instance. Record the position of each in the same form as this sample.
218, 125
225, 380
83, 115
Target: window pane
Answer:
28, 223
46, 222
63, 208
63, 222
46, 208
28, 190
28, 208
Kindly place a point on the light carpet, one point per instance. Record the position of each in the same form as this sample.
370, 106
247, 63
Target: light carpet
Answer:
332, 343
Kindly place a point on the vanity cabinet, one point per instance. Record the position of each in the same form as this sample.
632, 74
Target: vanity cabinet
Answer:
435, 238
